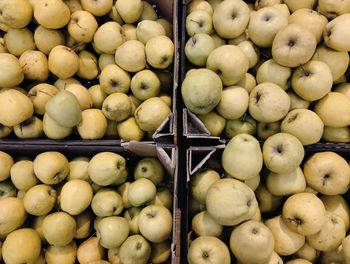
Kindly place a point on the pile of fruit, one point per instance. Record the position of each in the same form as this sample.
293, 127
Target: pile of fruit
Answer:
88, 210
101, 67
269, 67
270, 206
274, 71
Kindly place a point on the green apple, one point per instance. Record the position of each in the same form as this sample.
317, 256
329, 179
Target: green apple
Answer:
287, 242
147, 29
245, 124
97, 95
201, 182
22, 174
210, 248
130, 56
330, 179
59, 228
204, 225
155, 223
335, 34
21, 246
7, 189
201, 91
310, 75
233, 94
129, 130
334, 109
160, 52
12, 215
5, 131
106, 168
15, 106
78, 169
148, 13
108, 37
264, 24
286, 183
145, 84
336, 134
130, 32
116, 107
242, 150
151, 169
82, 26
114, 79
112, 231
88, 68
131, 215
51, 167
304, 224
283, 153
123, 191
199, 21
135, 250
310, 19
304, 124
336, 204
266, 130
229, 62
268, 102
40, 200
214, 122
293, 45
230, 18
129, 10
141, 192
75, 196
248, 82
160, 252
241, 197
151, 114
198, 48
270, 71
107, 202
34, 65
337, 61
163, 197
321, 240
63, 62
64, 108
252, 236
297, 102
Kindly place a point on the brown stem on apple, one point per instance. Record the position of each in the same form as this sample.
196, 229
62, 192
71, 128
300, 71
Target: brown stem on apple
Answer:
40, 91
292, 118
205, 255
200, 24
304, 71
297, 221
255, 231
325, 179
138, 245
